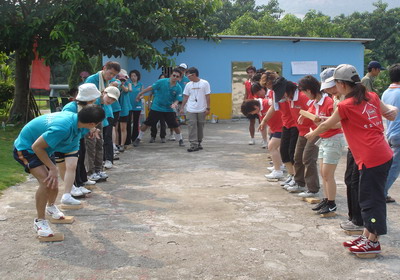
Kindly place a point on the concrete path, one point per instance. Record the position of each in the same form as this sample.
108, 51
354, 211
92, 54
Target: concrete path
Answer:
165, 213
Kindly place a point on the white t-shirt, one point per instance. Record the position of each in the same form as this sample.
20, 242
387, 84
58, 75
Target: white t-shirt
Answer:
197, 92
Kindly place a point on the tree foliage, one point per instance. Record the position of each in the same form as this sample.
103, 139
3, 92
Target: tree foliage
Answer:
70, 30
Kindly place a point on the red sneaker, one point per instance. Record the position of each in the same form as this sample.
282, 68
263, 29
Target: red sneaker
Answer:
366, 247
354, 242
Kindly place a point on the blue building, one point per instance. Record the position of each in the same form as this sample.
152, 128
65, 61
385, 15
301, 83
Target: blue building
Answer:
223, 64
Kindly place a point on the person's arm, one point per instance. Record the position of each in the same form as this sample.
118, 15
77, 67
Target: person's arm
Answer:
124, 88
140, 94
389, 111
39, 147
184, 101
330, 123
208, 99
270, 113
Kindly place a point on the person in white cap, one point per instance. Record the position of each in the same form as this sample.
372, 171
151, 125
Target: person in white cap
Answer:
87, 94
361, 117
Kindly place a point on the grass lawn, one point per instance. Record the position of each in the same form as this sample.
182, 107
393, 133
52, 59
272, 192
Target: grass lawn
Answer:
11, 172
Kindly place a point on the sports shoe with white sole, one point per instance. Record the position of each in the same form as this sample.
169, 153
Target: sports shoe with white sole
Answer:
85, 190
67, 199
307, 194
290, 184
288, 179
296, 189
94, 177
108, 164
276, 174
136, 143
103, 175
181, 144
355, 242
76, 191
264, 144
90, 182
172, 137
366, 247
42, 228
349, 225
252, 141
54, 212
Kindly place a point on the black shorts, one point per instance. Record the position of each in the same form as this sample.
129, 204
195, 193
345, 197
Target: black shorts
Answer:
60, 157
28, 160
123, 119
253, 117
116, 118
155, 116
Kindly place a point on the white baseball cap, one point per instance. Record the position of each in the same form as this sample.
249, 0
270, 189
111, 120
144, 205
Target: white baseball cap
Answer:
112, 92
325, 75
345, 72
183, 65
87, 92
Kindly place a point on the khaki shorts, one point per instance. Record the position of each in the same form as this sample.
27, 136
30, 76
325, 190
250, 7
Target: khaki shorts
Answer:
330, 149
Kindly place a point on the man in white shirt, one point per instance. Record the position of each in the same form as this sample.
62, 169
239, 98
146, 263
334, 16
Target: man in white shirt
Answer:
196, 98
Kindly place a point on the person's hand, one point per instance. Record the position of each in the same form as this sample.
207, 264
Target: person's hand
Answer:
52, 178
261, 127
114, 84
174, 105
311, 135
207, 111
138, 97
94, 134
181, 111
300, 119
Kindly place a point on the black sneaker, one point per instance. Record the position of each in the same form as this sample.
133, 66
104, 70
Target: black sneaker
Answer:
193, 149
320, 205
152, 140
181, 143
328, 208
136, 142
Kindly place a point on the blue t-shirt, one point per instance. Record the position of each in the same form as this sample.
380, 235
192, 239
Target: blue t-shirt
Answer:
107, 109
125, 102
164, 95
183, 82
95, 79
136, 105
73, 107
59, 130
391, 96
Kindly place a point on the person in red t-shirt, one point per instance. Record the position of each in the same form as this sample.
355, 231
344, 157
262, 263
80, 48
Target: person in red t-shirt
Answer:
361, 117
271, 80
251, 70
260, 106
331, 142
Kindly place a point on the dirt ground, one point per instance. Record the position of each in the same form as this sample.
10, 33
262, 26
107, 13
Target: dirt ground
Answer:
165, 213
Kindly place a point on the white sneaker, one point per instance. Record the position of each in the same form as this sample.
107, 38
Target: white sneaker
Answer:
296, 189
54, 212
84, 190
76, 191
42, 228
271, 168
108, 164
94, 177
290, 184
90, 182
172, 137
252, 141
287, 181
67, 199
102, 175
276, 174
264, 144
307, 194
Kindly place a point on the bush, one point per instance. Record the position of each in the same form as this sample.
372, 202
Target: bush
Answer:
6, 94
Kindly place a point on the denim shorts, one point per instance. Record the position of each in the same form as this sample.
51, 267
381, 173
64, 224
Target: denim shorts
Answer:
276, 135
28, 160
330, 149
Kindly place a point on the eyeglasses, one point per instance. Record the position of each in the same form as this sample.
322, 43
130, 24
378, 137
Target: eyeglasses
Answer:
175, 76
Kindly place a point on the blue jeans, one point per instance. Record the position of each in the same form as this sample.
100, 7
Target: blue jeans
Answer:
395, 169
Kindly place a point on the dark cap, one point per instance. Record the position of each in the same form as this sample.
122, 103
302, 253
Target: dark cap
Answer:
375, 64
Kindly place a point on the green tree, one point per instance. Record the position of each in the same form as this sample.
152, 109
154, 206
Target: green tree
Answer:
70, 29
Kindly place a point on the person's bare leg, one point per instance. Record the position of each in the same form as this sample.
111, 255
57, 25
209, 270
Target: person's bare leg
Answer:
123, 133
328, 176
252, 128
273, 148
43, 193
289, 167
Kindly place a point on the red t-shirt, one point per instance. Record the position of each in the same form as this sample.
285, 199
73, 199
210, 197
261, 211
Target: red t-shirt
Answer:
324, 108
363, 127
247, 86
274, 123
302, 102
283, 107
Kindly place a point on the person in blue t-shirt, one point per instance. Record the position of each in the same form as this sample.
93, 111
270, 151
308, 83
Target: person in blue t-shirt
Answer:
125, 103
136, 107
35, 146
167, 94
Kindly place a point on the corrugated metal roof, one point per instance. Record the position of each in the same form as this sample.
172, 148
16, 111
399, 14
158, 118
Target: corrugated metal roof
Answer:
295, 39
